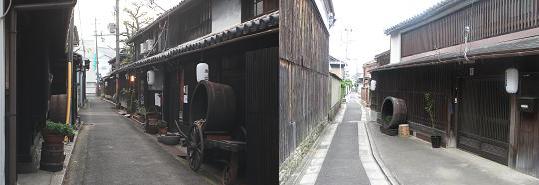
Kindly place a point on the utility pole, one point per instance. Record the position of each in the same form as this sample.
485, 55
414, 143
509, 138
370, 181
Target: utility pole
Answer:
347, 42
117, 32
96, 59
117, 50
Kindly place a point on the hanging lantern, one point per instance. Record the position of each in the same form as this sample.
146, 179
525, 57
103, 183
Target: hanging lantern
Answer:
373, 85
202, 72
150, 77
511, 80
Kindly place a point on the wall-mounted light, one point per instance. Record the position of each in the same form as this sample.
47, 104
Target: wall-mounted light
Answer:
511, 80
132, 78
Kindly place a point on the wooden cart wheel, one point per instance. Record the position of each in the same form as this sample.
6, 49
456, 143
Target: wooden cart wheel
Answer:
230, 173
195, 150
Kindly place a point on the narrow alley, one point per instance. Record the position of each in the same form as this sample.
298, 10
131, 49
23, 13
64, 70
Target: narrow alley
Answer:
352, 150
269, 92
110, 150
343, 164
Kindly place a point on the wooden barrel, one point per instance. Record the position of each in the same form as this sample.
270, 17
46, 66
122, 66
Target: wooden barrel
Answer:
52, 157
216, 103
393, 112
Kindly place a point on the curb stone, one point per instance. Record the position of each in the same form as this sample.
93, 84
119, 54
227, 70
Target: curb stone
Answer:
390, 177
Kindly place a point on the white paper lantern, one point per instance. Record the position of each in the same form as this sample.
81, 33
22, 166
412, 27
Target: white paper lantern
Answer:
373, 85
202, 72
511, 80
150, 77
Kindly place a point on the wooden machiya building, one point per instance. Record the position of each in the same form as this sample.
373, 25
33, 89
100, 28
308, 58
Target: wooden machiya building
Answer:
273, 57
468, 55
38, 64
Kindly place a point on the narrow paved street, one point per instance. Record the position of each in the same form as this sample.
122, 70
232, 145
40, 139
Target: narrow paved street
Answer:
342, 164
110, 150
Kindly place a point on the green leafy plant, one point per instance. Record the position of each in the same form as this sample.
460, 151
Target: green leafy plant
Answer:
429, 107
70, 132
59, 129
141, 109
162, 124
387, 119
131, 102
344, 85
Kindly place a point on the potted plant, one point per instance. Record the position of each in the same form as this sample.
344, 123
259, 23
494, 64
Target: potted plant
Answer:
54, 133
435, 139
141, 113
163, 125
152, 118
127, 96
70, 133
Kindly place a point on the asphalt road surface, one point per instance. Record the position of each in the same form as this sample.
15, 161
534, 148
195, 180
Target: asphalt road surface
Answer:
110, 150
342, 164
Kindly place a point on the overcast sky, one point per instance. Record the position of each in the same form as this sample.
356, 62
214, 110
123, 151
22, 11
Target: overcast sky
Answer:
88, 12
366, 19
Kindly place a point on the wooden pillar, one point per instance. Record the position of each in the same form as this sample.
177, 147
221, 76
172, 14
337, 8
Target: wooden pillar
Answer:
11, 113
514, 125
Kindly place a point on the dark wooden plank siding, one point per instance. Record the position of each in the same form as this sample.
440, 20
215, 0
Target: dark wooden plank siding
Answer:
483, 117
527, 160
411, 86
303, 73
261, 97
486, 18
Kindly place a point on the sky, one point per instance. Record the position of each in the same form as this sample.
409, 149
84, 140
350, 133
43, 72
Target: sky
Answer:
366, 20
97, 14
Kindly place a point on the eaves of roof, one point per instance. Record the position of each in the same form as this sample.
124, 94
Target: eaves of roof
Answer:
260, 24
520, 47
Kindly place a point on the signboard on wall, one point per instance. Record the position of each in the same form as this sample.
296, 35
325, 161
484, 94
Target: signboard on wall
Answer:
157, 99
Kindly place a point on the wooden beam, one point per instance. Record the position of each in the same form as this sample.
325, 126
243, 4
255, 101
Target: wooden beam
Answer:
514, 126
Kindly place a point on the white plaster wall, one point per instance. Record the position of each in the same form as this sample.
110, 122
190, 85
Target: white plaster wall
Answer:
323, 12
225, 14
395, 48
335, 84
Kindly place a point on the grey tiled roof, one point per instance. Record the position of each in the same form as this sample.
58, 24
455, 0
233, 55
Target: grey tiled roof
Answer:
257, 25
514, 46
443, 5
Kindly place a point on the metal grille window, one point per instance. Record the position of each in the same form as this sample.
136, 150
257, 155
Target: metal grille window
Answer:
258, 7
484, 18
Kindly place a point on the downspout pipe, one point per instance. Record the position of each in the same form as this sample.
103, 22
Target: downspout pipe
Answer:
70, 71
